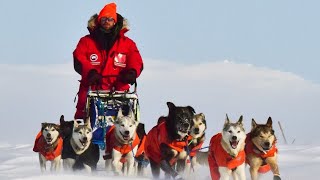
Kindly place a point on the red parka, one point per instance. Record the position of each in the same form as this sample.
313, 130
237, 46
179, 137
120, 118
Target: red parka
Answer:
122, 55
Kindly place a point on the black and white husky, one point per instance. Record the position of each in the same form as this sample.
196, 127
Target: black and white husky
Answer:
79, 152
49, 145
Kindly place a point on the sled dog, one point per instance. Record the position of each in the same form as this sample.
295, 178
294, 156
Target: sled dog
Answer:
197, 134
261, 150
49, 146
123, 143
79, 152
166, 141
226, 152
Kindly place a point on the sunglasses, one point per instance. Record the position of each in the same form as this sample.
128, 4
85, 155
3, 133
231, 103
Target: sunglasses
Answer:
106, 19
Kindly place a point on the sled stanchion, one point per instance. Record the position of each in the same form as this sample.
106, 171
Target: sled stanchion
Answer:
284, 137
105, 104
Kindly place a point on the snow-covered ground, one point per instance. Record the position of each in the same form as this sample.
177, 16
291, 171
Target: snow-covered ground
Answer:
20, 162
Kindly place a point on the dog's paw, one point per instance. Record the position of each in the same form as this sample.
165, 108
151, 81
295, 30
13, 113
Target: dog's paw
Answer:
276, 177
178, 177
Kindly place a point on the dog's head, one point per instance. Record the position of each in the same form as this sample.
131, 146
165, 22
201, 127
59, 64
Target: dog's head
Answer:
198, 126
125, 126
262, 135
82, 134
233, 134
65, 127
50, 132
179, 120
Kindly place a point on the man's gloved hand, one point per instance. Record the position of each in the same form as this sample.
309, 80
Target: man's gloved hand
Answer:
128, 76
94, 78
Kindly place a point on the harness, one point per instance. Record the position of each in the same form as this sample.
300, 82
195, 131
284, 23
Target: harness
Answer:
193, 151
252, 149
219, 157
124, 149
89, 157
50, 152
158, 135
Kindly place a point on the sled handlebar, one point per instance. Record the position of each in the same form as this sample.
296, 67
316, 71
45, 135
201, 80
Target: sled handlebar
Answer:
116, 94
108, 91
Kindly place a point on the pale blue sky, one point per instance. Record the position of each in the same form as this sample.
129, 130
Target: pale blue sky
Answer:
282, 35
254, 58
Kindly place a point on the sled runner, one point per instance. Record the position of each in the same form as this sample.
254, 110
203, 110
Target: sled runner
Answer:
102, 107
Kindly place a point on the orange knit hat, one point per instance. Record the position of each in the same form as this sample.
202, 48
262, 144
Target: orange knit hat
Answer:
109, 10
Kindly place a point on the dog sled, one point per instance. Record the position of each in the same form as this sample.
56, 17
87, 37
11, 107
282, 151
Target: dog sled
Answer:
102, 107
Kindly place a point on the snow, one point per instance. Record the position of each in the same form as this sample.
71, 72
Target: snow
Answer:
19, 162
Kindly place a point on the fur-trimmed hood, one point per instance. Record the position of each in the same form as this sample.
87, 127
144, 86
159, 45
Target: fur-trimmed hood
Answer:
93, 23
107, 39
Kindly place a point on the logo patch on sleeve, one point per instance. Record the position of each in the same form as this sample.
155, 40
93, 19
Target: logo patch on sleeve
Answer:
120, 60
93, 57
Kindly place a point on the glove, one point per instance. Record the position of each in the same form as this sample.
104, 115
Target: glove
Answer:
94, 78
128, 76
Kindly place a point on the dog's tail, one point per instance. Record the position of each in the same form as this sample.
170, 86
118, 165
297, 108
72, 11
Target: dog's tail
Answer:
202, 158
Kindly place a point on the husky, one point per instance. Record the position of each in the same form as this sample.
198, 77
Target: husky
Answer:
79, 152
261, 150
49, 146
166, 141
197, 134
123, 145
226, 152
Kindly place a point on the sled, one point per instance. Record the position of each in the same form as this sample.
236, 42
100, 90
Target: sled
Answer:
102, 108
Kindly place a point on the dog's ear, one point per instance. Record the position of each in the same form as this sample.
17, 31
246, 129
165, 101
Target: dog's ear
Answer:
43, 125
62, 119
87, 122
227, 121
110, 119
130, 114
191, 109
253, 124
171, 105
75, 123
240, 120
120, 114
57, 127
269, 122
203, 116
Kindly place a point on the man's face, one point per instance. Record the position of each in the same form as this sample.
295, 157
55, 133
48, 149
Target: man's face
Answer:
107, 22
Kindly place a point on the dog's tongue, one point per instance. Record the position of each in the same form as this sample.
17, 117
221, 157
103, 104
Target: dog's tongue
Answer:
234, 144
126, 137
